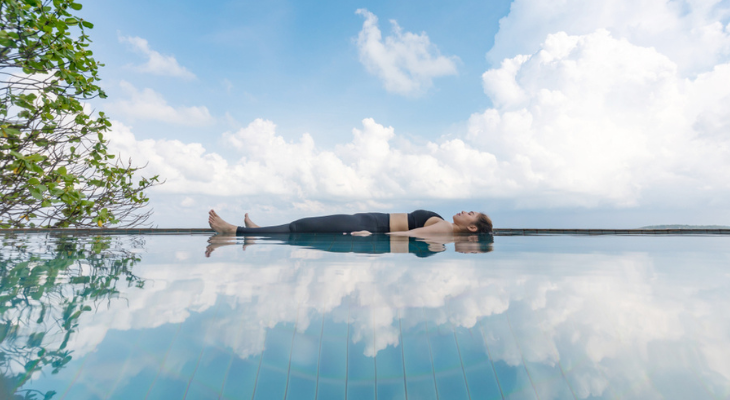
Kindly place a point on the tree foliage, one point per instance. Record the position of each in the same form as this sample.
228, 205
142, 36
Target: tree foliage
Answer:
55, 166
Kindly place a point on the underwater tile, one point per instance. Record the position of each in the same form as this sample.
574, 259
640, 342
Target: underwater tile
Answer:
278, 346
421, 387
199, 391
304, 361
301, 387
241, 378
333, 357
360, 390
419, 370
167, 387
274, 371
390, 363
480, 377
359, 366
392, 390
212, 368
330, 389
514, 380
271, 383
549, 381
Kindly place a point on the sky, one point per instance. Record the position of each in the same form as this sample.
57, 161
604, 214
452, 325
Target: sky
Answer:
571, 113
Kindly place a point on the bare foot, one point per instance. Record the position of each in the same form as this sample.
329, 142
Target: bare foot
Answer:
249, 224
219, 225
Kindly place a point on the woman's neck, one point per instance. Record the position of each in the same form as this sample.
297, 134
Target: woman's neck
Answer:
457, 228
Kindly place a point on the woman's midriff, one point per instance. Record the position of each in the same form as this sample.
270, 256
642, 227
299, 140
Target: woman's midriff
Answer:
398, 222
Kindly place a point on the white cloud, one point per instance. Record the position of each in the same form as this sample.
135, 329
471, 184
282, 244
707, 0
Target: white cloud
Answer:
368, 168
591, 120
157, 64
692, 34
405, 62
148, 104
588, 121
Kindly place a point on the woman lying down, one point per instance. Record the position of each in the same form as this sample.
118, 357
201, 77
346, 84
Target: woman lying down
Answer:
417, 223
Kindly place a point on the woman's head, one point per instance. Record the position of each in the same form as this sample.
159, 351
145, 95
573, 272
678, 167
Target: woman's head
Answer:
484, 224
472, 221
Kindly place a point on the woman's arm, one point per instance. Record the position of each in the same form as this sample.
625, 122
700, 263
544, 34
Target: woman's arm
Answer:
439, 228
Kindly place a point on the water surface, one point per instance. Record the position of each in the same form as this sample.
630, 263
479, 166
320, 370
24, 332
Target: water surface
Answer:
329, 317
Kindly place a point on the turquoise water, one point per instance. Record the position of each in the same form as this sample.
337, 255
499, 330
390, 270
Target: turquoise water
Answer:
329, 317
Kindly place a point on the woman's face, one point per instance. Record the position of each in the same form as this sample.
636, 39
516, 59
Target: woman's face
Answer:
466, 218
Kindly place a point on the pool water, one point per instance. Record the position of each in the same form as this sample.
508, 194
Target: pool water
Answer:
330, 317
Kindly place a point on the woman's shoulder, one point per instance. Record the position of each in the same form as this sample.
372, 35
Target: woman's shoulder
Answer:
438, 223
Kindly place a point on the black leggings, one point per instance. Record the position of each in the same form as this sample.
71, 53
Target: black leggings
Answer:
340, 223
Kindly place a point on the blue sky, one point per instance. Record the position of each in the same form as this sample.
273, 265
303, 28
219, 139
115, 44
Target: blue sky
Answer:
297, 63
569, 113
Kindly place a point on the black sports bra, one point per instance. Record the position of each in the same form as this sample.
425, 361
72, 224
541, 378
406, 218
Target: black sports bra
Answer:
418, 218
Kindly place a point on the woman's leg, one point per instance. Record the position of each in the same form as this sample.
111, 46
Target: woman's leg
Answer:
241, 230
325, 224
341, 223
223, 227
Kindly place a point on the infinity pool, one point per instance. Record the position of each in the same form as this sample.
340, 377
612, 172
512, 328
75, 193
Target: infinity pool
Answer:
330, 317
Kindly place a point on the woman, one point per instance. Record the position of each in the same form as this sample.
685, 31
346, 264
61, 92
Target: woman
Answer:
417, 223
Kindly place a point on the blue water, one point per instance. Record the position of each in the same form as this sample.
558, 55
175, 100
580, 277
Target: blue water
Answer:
542, 317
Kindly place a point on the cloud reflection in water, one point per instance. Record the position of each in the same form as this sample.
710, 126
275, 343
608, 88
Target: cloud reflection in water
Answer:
599, 317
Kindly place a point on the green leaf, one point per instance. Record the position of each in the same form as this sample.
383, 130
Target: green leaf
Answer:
87, 24
11, 131
35, 193
75, 6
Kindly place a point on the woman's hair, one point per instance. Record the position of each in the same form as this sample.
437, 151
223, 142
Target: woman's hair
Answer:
484, 224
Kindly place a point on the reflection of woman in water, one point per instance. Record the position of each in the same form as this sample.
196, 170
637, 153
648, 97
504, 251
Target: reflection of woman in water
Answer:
418, 223
373, 244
